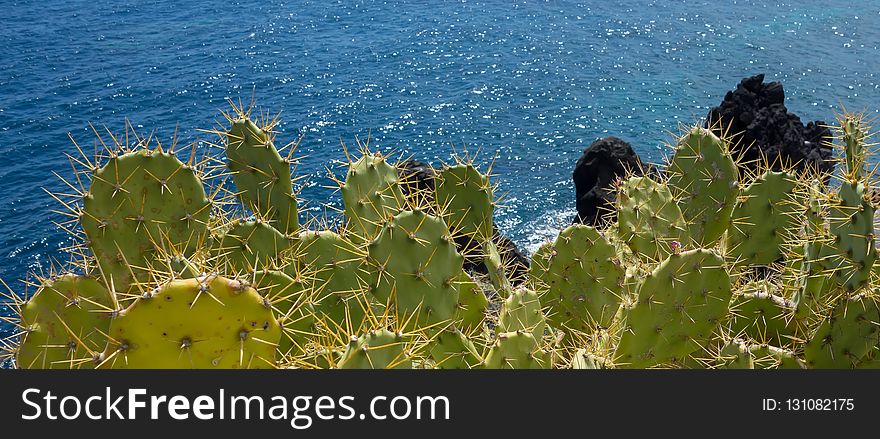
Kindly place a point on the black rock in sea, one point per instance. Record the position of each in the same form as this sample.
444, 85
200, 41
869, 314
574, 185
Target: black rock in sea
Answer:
756, 119
601, 163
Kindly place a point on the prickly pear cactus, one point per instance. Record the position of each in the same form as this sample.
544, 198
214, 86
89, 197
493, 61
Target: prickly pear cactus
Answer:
847, 335
381, 349
451, 349
64, 324
371, 194
679, 307
649, 220
516, 350
810, 276
472, 305
466, 197
766, 218
416, 268
249, 246
291, 303
704, 178
137, 202
521, 311
337, 268
583, 280
210, 322
772, 357
261, 175
851, 217
851, 254
495, 266
763, 317
735, 354
584, 359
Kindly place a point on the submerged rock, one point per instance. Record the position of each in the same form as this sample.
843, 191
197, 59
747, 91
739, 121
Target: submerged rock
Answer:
755, 118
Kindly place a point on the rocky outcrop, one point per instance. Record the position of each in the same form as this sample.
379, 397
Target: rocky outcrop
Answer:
756, 120
601, 163
418, 178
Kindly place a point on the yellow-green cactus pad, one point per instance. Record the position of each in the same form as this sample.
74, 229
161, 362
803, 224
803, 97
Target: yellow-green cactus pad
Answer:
209, 322
64, 323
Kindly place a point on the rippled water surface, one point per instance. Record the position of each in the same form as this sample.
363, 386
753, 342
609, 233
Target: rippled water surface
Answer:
534, 82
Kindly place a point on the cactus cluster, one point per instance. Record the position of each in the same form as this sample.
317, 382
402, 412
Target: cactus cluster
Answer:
206, 264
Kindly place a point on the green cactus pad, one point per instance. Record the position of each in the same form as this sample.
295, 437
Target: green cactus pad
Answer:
649, 220
209, 322
736, 355
138, 202
763, 317
467, 199
292, 307
851, 254
521, 311
376, 350
680, 305
766, 218
336, 266
371, 194
451, 349
847, 335
810, 278
261, 175
417, 268
64, 322
516, 350
250, 245
472, 305
704, 179
495, 267
583, 279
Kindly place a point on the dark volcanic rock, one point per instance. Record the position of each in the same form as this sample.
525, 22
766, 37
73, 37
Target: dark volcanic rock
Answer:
418, 178
756, 119
601, 163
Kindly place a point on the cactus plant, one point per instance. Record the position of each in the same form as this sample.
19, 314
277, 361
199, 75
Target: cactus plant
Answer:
262, 177
583, 280
138, 201
765, 219
704, 177
649, 220
416, 268
678, 309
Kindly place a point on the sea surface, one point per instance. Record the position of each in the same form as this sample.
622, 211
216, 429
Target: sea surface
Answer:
529, 84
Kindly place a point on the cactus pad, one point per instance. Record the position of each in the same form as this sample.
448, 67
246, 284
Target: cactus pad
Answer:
417, 268
766, 218
704, 179
138, 202
64, 323
649, 220
583, 279
680, 305
203, 323
261, 175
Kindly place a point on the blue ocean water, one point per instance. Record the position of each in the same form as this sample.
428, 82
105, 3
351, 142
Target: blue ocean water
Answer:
533, 81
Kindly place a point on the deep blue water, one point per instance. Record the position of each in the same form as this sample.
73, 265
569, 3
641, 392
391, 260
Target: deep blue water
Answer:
535, 81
